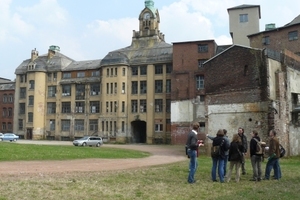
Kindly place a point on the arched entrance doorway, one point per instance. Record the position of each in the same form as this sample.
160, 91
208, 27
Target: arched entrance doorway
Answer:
138, 128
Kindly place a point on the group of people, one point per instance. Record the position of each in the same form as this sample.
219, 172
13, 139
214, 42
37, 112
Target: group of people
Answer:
234, 152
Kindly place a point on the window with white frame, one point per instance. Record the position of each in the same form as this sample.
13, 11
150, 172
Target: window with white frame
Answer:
158, 127
200, 82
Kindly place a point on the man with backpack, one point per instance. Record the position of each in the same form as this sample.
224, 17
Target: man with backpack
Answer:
256, 154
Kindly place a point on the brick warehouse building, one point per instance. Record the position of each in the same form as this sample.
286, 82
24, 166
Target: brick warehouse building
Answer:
278, 38
7, 91
188, 91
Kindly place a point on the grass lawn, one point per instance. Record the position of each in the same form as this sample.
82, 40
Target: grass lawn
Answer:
13, 151
159, 182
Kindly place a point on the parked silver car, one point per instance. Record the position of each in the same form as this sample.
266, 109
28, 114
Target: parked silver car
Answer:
9, 136
88, 141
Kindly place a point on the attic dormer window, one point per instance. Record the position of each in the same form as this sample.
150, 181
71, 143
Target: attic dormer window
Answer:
31, 67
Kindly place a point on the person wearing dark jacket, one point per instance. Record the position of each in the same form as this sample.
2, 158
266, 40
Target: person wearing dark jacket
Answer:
245, 145
192, 146
235, 157
256, 158
218, 162
273, 159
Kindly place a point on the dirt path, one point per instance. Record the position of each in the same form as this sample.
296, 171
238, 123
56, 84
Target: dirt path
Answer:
160, 155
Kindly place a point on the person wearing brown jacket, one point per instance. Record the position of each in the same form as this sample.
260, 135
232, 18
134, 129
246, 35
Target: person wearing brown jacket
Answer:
273, 159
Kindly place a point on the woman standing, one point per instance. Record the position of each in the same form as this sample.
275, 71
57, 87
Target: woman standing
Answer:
219, 160
235, 157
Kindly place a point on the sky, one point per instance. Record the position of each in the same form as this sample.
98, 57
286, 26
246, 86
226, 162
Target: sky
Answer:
89, 30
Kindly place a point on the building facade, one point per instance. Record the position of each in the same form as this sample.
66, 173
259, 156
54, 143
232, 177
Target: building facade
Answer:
280, 38
7, 91
188, 91
124, 97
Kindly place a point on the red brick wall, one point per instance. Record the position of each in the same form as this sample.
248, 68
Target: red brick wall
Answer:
240, 71
6, 105
185, 68
278, 39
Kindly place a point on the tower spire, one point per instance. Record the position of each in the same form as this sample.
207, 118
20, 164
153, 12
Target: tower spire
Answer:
149, 4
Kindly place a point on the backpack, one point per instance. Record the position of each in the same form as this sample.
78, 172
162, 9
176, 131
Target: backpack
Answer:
281, 150
216, 150
260, 147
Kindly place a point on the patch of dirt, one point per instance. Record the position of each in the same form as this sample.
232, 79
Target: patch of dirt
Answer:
161, 154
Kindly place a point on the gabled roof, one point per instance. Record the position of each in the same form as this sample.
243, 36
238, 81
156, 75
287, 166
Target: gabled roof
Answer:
228, 49
293, 22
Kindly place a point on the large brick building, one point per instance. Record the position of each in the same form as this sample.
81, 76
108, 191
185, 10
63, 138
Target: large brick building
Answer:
7, 91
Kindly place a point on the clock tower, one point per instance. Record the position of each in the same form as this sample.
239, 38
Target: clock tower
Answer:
148, 25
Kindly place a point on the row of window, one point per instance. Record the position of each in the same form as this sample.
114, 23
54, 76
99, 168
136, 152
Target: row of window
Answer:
79, 125
141, 106
7, 126
158, 69
8, 98
7, 112
293, 35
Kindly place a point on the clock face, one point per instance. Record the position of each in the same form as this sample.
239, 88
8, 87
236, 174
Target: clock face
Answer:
147, 15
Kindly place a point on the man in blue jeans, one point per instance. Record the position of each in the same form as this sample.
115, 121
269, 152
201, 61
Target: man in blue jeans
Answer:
274, 155
192, 147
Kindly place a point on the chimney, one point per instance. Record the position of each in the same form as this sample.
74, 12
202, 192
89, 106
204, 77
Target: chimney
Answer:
34, 54
52, 50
